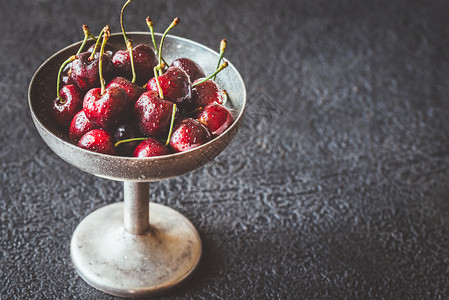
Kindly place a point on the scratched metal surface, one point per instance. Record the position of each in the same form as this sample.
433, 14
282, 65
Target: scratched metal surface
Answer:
335, 187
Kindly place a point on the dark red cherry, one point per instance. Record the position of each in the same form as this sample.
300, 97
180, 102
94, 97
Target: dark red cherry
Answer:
151, 147
206, 93
79, 126
98, 140
106, 110
144, 61
133, 90
85, 72
175, 85
153, 115
108, 49
189, 134
65, 108
216, 118
193, 70
125, 132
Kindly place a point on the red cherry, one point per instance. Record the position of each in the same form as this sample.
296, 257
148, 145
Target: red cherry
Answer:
85, 72
108, 49
153, 115
206, 93
79, 126
193, 70
189, 134
133, 90
98, 140
69, 103
216, 118
106, 110
151, 147
144, 62
175, 85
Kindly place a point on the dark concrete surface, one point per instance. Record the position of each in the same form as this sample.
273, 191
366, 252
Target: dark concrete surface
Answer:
335, 187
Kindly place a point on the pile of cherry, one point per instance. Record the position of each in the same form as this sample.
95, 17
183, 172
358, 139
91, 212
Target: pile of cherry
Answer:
132, 103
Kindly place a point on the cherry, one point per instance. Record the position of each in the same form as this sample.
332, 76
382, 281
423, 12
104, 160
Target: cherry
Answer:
216, 118
206, 93
108, 109
98, 140
153, 115
79, 126
151, 147
189, 134
109, 49
175, 85
193, 70
133, 90
103, 107
85, 71
67, 104
144, 61
67, 66
125, 132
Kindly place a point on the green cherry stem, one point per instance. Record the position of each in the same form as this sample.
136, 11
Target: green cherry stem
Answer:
128, 41
131, 57
130, 140
221, 67
156, 77
106, 35
172, 25
87, 35
223, 45
153, 39
121, 20
150, 26
170, 131
91, 57
58, 82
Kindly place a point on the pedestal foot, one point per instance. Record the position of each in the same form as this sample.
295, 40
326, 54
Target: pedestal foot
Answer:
127, 265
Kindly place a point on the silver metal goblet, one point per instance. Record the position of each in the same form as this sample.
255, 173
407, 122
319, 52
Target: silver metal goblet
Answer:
135, 248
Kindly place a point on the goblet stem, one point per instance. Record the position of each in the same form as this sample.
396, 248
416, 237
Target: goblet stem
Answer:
137, 207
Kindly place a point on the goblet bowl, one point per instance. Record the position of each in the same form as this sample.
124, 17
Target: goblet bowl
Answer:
42, 91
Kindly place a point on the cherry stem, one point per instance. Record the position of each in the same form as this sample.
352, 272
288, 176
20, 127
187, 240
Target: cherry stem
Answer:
87, 35
130, 140
58, 82
171, 125
153, 39
106, 35
161, 95
221, 67
223, 45
131, 57
172, 25
91, 57
121, 20
150, 26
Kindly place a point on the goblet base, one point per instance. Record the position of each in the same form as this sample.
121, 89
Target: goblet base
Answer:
122, 264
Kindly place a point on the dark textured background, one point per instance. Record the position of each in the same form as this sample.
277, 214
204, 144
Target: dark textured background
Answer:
336, 186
